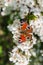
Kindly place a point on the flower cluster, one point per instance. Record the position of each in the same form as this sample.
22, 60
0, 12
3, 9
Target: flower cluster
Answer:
23, 6
38, 27
24, 30
18, 58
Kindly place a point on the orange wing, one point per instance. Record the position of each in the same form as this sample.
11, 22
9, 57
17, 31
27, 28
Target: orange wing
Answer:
24, 25
22, 38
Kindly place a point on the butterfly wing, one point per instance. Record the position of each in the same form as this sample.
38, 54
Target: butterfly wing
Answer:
24, 25
22, 38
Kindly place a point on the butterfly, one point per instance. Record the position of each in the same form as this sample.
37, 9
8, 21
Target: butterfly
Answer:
26, 31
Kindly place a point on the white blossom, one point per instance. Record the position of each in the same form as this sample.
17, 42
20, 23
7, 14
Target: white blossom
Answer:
21, 5
17, 57
38, 27
40, 3
14, 29
36, 11
23, 11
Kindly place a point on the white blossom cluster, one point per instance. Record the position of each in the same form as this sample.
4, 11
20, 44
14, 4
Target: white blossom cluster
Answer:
21, 57
21, 5
40, 2
21, 54
38, 27
24, 7
18, 58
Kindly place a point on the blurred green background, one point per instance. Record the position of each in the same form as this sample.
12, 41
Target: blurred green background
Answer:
6, 43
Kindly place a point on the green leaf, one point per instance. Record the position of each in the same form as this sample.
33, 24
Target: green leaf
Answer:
42, 13
1, 51
30, 17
